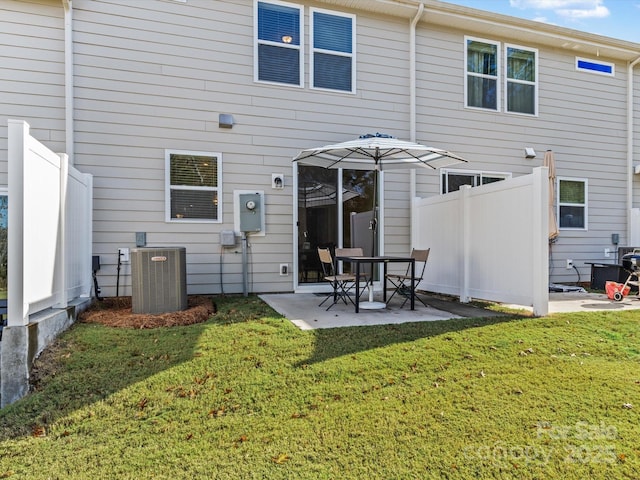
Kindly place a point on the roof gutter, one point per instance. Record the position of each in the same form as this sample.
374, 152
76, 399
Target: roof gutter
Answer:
68, 79
413, 110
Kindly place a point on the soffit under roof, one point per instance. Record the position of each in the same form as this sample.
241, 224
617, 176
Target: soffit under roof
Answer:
488, 25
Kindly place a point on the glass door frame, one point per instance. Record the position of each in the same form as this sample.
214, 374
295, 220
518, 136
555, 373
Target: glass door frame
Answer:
321, 287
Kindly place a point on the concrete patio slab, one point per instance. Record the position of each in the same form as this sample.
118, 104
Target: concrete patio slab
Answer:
303, 310
589, 302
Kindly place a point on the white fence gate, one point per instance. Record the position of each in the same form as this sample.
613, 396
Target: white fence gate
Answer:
488, 242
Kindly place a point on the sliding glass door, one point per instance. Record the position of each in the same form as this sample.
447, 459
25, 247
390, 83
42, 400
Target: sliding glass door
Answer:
334, 210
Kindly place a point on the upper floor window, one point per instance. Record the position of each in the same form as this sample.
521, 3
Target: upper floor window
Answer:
521, 80
332, 50
482, 64
572, 203
278, 47
484, 72
193, 186
452, 180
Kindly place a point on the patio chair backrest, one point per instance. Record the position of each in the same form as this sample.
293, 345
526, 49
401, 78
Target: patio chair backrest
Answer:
420, 256
326, 261
349, 252
365, 269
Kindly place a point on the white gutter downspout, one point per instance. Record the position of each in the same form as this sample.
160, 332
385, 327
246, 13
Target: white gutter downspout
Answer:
412, 113
630, 169
68, 79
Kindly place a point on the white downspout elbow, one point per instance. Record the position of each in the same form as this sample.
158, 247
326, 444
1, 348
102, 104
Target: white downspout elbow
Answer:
412, 112
68, 79
630, 146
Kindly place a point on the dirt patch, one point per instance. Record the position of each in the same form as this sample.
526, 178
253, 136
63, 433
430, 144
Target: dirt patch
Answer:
116, 312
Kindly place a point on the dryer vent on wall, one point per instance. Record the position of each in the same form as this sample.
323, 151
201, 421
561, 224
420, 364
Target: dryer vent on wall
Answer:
159, 279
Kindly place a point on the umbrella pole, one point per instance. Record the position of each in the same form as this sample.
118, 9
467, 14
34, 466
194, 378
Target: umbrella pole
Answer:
371, 304
374, 220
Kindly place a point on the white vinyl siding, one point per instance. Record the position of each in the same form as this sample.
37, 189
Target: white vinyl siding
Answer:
279, 46
332, 39
153, 75
32, 72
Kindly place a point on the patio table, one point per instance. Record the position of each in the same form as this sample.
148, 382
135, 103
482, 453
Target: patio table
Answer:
385, 260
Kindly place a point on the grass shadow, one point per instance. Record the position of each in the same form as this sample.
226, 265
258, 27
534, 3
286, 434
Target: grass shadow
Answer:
336, 342
90, 362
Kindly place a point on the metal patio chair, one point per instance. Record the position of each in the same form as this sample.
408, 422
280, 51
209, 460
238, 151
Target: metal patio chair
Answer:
402, 282
342, 283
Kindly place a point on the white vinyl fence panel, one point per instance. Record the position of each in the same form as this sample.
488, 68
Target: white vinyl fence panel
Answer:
49, 227
488, 242
78, 234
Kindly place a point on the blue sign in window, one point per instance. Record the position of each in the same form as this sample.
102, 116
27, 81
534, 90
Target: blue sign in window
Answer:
595, 66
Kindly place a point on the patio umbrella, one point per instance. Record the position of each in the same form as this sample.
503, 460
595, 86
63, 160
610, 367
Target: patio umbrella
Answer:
550, 163
377, 152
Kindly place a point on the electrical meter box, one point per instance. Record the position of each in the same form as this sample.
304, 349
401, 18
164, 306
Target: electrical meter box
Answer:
250, 212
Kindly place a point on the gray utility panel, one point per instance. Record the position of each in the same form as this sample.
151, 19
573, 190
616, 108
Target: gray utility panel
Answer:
158, 279
250, 212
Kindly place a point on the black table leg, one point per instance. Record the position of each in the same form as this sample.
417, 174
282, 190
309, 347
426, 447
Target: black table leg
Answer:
413, 284
384, 283
357, 287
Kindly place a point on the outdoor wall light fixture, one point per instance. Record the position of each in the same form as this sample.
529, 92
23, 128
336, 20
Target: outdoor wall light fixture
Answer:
287, 39
529, 152
225, 120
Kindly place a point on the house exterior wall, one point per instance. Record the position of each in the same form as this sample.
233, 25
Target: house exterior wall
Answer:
32, 71
147, 81
582, 118
152, 75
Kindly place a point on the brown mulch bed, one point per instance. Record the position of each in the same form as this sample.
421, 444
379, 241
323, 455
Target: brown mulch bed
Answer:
116, 312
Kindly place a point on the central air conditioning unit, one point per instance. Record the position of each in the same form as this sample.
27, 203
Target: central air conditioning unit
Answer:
159, 279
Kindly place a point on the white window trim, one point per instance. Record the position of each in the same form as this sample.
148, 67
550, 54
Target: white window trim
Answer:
446, 171
313, 50
167, 186
257, 42
467, 73
585, 204
587, 70
523, 82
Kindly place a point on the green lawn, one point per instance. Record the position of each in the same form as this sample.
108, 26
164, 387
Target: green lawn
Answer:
247, 395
